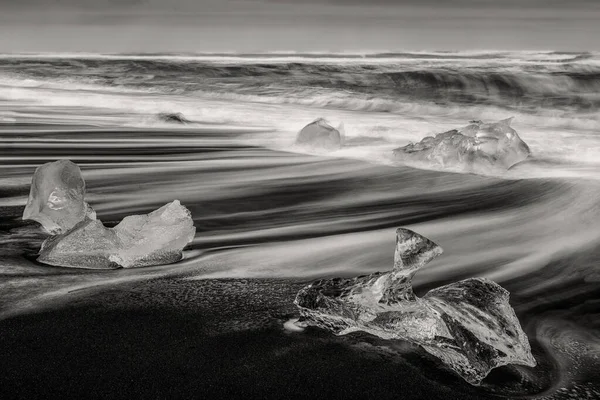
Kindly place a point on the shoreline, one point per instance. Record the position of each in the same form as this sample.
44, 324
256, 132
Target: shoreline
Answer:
212, 325
213, 339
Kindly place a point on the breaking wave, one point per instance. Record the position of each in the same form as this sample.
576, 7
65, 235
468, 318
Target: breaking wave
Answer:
452, 78
386, 99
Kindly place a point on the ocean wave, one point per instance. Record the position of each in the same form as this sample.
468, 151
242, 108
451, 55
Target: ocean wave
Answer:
558, 85
146, 97
556, 105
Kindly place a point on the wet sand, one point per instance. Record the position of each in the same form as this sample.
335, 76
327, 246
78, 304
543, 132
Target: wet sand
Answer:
268, 222
170, 338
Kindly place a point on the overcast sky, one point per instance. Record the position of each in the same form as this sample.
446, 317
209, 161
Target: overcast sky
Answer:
297, 25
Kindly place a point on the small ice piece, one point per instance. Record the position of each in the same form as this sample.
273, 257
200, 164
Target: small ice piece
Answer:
477, 147
56, 197
320, 134
294, 325
177, 118
139, 240
469, 325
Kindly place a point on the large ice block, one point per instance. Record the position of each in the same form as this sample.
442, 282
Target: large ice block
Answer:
320, 134
139, 240
477, 147
469, 325
56, 197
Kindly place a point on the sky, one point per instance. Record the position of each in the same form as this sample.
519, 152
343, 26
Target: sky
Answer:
148, 26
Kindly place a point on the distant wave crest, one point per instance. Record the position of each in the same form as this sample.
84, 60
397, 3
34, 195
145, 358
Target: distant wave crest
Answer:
547, 79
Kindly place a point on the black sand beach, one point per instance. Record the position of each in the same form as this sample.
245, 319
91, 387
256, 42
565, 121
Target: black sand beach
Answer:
169, 338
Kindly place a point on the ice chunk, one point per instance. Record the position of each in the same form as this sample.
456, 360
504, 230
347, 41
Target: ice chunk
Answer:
155, 238
56, 197
469, 325
177, 118
139, 240
485, 330
477, 147
56, 200
320, 134
88, 245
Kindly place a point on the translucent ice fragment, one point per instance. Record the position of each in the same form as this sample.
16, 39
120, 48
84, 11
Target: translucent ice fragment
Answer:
139, 240
483, 326
88, 245
320, 134
56, 197
155, 238
469, 325
477, 147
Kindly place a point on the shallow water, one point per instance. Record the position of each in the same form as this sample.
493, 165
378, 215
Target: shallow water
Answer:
266, 209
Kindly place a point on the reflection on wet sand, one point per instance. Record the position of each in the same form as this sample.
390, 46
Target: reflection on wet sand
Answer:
270, 214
